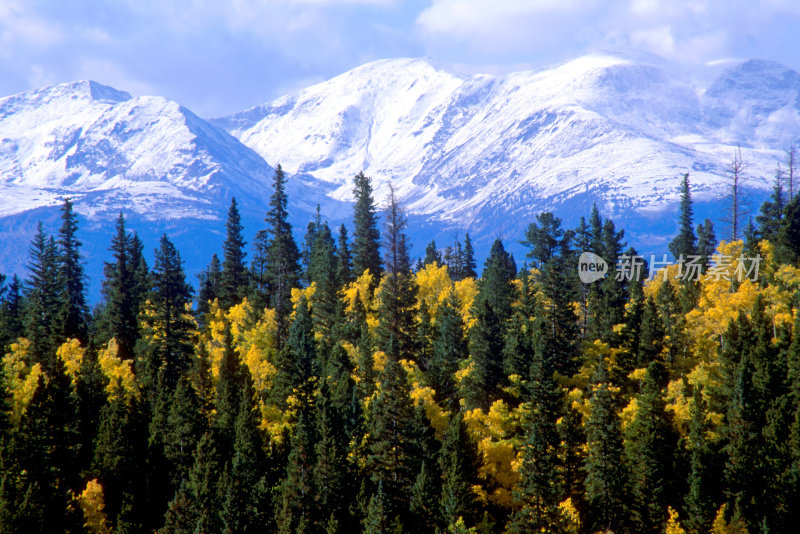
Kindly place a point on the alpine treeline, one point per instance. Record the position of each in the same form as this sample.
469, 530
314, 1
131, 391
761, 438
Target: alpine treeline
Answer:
340, 386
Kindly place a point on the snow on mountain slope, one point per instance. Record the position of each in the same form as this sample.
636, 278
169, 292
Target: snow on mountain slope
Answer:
147, 155
479, 150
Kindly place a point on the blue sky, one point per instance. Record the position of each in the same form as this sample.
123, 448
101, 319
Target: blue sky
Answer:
221, 56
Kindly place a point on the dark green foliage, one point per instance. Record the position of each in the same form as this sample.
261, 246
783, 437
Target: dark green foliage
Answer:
495, 284
42, 298
605, 473
170, 344
73, 312
449, 350
397, 316
295, 365
295, 509
230, 381
469, 266
550, 248
234, 278
481, 386
458, 461
377, 519
699, 503
392, 441
772, 212
432, 255
344, 257
650, 445
121, 298
11, 312
706, 242
789, 233
685, 243
282, 267
366, 238
210, 287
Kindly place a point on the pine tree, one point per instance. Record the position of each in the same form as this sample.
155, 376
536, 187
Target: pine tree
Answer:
119, 286
210, 287
649, 452
377, 518
772, 211
458, 461
699, 503
469, 265
344, 267
788, 241
392, 443
203, 487
366, 239
481, 386
685, 243
259, 290
282, 270
706, 242
234, 277
73, 311
605, 474
397, 317
41, 298
330, 469
296, 360
449, 350
11, 313
432, 255
322, 272
171, 329
230, 381
185, 426
540, 488
495, 285
735, 196
245, 487
295, 507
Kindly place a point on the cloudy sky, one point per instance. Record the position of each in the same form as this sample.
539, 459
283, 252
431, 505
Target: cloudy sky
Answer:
221, 56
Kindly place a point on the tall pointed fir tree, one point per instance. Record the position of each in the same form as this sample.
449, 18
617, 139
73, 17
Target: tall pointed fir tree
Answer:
458, 461
650, 448
699, 501
73, 311
168, 324
322, 271
366, 238
772, 211
344, 257
295, 364
481, 386
234, 277
210, 282
295, 507
605, 472
469, 266
11, 313
541, 488
41, 299
397, 316
550, 248
121, 305
283, 269
450, 348
685, 243
706, 242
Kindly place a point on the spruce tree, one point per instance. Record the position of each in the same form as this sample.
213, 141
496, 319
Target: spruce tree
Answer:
449, 350
397, 316
649, 451
540, 489
296, 360
788, 240
234, 277
366, 238
210, 288
295, 506
11, 313
481, 386
469, 266
432, 255
391, 440
230, 381
706, 242
495, 286
699, 503
685, 243
172, 331
605, 473
377, 520
772, 211
458, 461
119, 286
41, 299
344, 256
282, 270
73, 310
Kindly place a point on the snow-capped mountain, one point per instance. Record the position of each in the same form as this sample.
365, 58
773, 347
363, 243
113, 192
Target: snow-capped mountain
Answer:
465, 152
164, 167
489, 152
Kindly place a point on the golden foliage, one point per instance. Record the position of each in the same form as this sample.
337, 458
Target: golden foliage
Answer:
496, 434
92, 503
673, 522
71, 353
571, 517
22, 380
424, 396
435, 285
118, 371
721, 525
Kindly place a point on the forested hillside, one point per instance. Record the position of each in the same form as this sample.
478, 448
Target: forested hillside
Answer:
338, 385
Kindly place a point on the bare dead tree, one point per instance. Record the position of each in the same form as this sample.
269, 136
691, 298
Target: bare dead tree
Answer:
791, 161
736, 195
